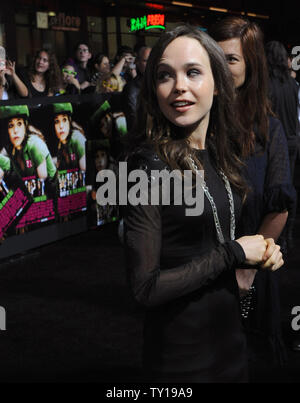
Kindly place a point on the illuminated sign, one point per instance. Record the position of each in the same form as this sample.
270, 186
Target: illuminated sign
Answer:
157, 6
65, 22
147, 22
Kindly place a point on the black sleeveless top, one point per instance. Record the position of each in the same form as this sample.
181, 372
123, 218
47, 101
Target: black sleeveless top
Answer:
24, 76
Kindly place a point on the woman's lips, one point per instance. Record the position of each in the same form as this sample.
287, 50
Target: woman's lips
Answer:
182, 106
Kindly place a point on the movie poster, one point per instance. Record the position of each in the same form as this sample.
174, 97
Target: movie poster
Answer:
15, 200
50, 155
66, 139
107, 123
42, 166
105, 146
99, 158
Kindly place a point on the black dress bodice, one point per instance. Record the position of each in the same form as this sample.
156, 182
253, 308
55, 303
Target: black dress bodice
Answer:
186, 279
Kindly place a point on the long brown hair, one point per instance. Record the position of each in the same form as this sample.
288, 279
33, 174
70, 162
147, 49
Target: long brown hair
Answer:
53, 76
171, 142
253, 105
29, 130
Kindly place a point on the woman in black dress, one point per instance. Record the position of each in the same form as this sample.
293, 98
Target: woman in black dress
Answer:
284, 89
267, 171
180, 267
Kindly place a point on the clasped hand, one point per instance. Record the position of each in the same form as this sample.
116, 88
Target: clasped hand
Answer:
262, 252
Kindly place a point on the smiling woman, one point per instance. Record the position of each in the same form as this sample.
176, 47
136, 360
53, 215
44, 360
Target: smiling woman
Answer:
182, 268
44, 77
185, 91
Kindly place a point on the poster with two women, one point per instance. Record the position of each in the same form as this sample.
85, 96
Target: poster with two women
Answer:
42, 166
50, 155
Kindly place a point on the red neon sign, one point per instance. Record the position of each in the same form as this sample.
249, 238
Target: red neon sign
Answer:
157, 6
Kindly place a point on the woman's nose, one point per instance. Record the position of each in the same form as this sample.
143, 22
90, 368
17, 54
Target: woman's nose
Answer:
180, 84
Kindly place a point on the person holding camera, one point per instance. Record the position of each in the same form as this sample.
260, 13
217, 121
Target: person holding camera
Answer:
11, 86
132, 89
125, 64
113, 79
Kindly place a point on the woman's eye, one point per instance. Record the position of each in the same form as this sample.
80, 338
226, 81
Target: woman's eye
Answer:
193, 73
163, 75
231, 59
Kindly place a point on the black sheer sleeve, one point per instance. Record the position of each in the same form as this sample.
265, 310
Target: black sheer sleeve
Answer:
279, 191
153, 285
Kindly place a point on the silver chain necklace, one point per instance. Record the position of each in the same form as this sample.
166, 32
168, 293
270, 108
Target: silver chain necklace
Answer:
245, 301
214, 207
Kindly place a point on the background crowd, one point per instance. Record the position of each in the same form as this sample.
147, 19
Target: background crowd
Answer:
85, 73
82, 72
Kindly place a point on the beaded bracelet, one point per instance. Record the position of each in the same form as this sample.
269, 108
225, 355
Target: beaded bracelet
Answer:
246, 302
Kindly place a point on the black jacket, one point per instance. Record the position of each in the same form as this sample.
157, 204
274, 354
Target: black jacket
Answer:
284, 98
131, 93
